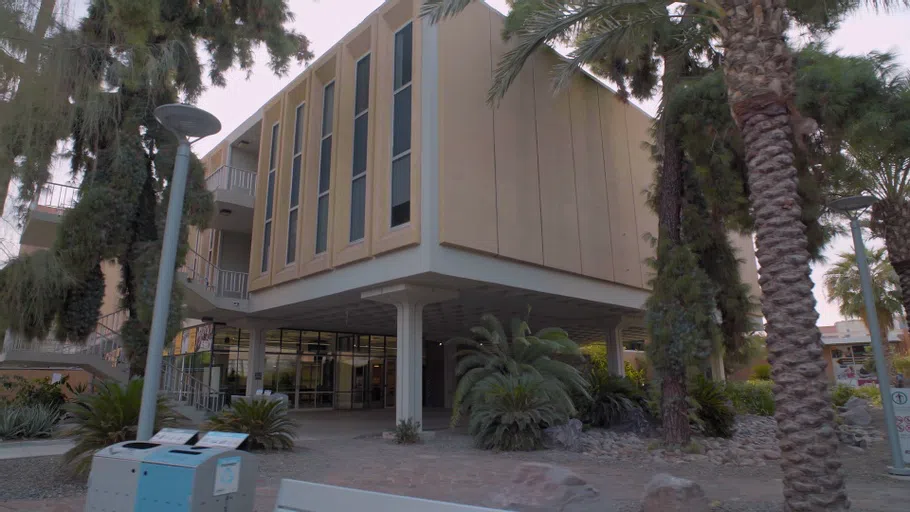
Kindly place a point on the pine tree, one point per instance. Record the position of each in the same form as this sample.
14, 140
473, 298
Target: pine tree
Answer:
124, 59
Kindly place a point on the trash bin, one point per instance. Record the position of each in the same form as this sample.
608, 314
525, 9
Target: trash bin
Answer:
169, 478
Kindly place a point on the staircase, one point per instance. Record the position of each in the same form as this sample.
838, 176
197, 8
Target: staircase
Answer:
191, 396
101, 354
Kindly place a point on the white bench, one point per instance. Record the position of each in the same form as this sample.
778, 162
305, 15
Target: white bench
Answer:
297, 496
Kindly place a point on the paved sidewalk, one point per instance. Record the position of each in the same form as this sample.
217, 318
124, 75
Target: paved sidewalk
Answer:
41, 448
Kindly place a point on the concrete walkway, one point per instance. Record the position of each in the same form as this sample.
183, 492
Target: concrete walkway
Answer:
41, 448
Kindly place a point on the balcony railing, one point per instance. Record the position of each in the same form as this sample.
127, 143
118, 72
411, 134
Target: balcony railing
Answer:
232, 178
183, 387
221, 283
57, 196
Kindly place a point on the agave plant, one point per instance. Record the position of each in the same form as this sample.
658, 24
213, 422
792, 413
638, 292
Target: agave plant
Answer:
513, 411
266, 421
108, 416
491, 354
28, 421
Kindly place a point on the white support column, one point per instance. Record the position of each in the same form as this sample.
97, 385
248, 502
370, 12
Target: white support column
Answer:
409, 301
256, 360
615, 362
718, 372
449, 360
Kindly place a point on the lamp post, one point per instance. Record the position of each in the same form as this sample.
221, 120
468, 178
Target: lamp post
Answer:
854, 207
184, 121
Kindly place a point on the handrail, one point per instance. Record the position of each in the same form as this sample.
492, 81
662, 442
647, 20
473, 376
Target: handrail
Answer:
227, 177
181, 386
221, 283
58, 196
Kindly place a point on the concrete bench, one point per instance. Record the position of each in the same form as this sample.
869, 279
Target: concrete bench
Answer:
297, 496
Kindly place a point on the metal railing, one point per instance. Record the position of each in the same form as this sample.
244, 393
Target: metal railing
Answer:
232, 178
57, 196
182, 387
221, 283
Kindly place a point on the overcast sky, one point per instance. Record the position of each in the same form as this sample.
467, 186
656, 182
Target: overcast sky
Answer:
326, 21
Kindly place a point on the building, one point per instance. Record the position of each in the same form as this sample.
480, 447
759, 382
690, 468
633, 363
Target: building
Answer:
848, 350
377, 205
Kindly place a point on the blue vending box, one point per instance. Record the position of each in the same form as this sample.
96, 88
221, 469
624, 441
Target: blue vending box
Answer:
196, 479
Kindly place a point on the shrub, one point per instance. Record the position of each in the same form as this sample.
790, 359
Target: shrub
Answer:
639, 377
761, 372
840, 393
752, 397
870, 393
713, 411
902, 365
614, 400
407, 432
490, 354
108, 416
28, 421
265, 421
35, 392
513, 412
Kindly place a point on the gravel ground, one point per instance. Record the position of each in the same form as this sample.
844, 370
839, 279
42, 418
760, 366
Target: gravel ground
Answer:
36, 478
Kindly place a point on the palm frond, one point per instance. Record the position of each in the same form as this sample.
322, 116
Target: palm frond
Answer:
438, 10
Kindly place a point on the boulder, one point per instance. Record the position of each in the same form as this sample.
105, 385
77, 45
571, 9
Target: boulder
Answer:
856, 403
566, 437
538, 487
666, 493
857, 416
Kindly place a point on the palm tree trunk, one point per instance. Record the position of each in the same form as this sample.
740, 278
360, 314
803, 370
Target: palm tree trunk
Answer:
759, 76
893, 221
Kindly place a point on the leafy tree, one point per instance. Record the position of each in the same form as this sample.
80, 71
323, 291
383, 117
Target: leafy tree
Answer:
842, 283
123, 60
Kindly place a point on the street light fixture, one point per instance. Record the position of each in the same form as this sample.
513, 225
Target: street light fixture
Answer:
853, 207
185, 122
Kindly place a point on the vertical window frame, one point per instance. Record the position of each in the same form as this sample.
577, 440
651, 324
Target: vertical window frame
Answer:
406, 153
362, 175
267, 235
297, 149
322, 156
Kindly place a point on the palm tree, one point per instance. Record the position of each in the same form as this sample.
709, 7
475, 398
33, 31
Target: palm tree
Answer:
491, 353
842, 283
760, 82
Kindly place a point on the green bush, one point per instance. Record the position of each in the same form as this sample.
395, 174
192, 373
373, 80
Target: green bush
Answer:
902, 365
108, 416
639, 377
614, 400
28, 421
407, 432
35, 392
870, 393
713, 413
752, 397
840, 393
761, 372
265, 421
513, 412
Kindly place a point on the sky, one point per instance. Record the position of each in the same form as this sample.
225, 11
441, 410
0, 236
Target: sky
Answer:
325, 22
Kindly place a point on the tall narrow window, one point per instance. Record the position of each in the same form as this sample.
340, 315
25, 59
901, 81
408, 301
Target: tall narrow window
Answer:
325, 168
359, 167
401, 128
294, 204
270, 198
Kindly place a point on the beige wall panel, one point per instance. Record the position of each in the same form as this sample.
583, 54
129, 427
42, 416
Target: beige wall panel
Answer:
591, 181
639, 129
748, 267
345, 251
517, 180
386, 238
282, 271
111, 303
271, 115
623, 227
308, 261
559, 212
467, 179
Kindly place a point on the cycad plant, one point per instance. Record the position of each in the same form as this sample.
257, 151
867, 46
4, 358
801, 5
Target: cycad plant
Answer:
108, 416
511, 412
491, 353
266, 421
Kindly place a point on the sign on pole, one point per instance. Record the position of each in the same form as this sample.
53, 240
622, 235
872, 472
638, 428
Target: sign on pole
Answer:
900, 398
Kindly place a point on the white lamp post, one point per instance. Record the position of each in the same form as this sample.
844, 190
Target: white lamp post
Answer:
184, 121
854, 207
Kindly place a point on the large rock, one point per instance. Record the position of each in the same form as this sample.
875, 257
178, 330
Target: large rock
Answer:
666, 493
857, 416
537, 487
566, 437
856, 403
